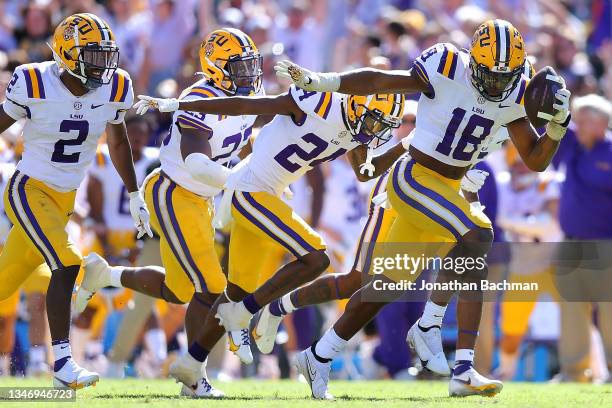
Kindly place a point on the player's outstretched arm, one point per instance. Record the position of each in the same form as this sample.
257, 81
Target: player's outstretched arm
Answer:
364, 81
232, 106
537, 151
121, 156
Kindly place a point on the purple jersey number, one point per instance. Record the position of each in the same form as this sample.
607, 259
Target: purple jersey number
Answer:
468, 137
284, 156
66, 126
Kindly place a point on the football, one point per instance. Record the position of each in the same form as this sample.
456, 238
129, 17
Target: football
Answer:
540, 96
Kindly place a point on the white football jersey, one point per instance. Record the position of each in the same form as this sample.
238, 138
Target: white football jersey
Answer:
229, 135
285, 149
62, 130
454, 122
116, 207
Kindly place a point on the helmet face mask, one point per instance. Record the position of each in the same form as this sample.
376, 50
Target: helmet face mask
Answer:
245, 73
97, 63
372, 127
494, 86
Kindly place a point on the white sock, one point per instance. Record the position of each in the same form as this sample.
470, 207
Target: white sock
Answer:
37, 354
61, 350
330, 345
155, 340
288, 304
464, 355
432, 315
115, 276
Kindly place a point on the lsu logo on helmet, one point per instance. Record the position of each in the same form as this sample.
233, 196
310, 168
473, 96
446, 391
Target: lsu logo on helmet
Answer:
497, 57
371, 117
232, 61
84, 45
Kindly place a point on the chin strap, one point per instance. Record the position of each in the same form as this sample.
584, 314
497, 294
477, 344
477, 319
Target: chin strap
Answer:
367, 167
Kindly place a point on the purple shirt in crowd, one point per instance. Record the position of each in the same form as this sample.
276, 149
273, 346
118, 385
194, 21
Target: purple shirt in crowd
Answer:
585, 208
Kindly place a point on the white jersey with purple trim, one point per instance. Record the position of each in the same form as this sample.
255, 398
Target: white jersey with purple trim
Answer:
285, 149
229, 135
454, 122
61, 130
116, 206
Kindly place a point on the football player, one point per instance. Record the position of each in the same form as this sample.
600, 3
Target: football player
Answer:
309, 128
466, 96
67, 103
195, 159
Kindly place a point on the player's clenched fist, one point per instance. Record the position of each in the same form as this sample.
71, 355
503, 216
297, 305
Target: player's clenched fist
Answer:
148, 102
308, 80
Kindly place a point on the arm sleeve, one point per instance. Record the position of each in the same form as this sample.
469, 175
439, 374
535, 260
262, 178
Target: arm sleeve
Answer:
128, 101
16, 104
195, 120
312, 103
436, 63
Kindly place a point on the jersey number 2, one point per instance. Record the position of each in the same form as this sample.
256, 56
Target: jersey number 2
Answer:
66, 126
467, 136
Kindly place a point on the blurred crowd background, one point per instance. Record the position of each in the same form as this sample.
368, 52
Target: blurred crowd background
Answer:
159, 42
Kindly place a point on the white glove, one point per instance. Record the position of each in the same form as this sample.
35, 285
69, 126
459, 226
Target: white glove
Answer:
163, 105
473, 180
308, 80
140, 214
556, 128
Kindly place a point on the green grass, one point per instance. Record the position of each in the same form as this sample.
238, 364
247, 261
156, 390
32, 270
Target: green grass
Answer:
292, 394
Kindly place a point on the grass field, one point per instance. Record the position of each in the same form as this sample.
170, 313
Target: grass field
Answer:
354, 394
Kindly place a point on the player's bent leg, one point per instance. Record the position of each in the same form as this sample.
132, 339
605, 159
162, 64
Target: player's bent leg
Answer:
325, 288
314, 363
189, 369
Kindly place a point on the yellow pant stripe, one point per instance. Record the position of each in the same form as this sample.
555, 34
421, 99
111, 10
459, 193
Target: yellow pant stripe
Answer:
20, 207
428, 203
171, 235
284, 236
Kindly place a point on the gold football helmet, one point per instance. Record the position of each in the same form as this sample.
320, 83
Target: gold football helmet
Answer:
371, 117
497, 56
232, 61
84, 45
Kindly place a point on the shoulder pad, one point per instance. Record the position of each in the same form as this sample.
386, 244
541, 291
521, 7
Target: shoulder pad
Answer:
26, 83
313, 103
121, 88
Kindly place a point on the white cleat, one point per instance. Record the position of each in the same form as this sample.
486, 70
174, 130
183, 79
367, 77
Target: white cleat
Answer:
240, 345
236, 319
203, 389
428, 346
184, 373
315, 372
265, 330
233, 316
470, 382
97, 276
74, 377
